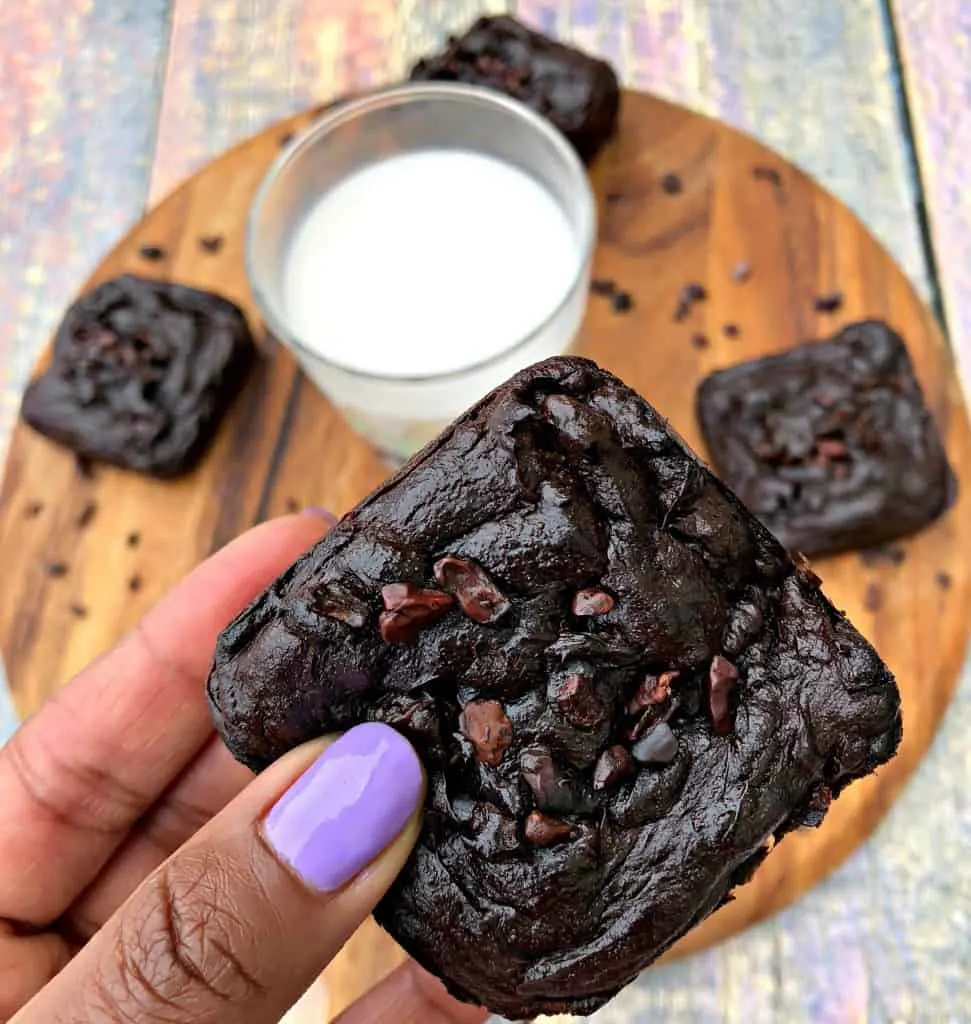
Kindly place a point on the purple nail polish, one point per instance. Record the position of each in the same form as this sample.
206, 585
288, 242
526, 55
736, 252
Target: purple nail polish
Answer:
321, 513
347, 807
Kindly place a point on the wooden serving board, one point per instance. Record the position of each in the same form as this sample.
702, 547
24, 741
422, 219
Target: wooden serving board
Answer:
284, 447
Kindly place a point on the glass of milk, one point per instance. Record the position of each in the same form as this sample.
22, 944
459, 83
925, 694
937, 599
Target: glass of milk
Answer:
416, 247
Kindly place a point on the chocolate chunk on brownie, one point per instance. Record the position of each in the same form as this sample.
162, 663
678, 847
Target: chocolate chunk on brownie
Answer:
578, 93
829, 444
621, 686
141, 374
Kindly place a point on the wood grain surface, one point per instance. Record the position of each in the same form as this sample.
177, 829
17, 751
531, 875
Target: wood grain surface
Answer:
284, 446
935, 42
94, 94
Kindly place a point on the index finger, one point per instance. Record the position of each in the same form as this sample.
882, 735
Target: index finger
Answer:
76, 777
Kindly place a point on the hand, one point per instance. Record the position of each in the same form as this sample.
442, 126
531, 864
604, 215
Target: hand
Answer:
146, 876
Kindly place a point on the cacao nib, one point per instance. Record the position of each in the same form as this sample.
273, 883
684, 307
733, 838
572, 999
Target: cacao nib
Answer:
542, 830
829, 303
613, 766
471, 586
621, 302
409, 610
578, 703
488, 729
592, 602
671, 184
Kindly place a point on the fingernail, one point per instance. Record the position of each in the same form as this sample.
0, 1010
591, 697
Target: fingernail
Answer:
347, 807
321, 513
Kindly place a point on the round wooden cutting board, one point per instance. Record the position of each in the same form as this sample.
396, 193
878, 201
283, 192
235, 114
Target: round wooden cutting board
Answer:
739, 207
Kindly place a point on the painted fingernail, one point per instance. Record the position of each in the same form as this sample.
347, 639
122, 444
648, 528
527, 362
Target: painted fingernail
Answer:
321, 513
347, 807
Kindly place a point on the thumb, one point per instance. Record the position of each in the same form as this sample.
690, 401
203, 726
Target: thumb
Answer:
240, 920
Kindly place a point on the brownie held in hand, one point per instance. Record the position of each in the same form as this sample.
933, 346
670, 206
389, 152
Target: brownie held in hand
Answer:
578, 93
621, 686
141, 374
830, 444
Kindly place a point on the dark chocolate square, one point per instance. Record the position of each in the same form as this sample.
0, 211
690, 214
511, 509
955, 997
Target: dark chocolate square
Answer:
578, 93
141, 374
831, 444
621, 686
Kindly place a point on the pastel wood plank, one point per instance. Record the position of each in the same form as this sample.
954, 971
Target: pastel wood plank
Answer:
935, 45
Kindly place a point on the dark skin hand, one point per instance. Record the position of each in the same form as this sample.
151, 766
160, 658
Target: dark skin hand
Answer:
139, 877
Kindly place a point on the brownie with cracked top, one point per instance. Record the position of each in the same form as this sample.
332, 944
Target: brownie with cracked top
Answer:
142, 371
578, 93
621, 686
830, 444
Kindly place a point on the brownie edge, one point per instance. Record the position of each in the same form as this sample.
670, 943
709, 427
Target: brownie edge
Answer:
622, 688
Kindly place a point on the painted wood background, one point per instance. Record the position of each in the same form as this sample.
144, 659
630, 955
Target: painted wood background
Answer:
106, 104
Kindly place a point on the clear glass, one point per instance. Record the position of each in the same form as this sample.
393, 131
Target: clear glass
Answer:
396, 414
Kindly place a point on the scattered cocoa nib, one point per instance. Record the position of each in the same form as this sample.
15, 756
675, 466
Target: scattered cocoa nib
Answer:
872, 597
577, 701
805, 570
135, 583
409, 609
653, 690
56, 570
731, 330
542, 830
699, 340
621, 302
741, 272
690, 294
613, 766
286, 138
211, 243
133, 539
152, 253
722, 677
658, 745
336, 602
671, 184
943, 580
486, 726
472, 587
829, 303
602, 286
86, 514
762, 172
874, 556
33, 510
79, 611
592, 602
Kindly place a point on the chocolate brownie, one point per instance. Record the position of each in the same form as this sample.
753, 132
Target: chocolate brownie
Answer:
622, 688
578, 93
829, 444
141, 374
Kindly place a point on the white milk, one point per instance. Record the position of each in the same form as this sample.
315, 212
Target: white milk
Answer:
426, 263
